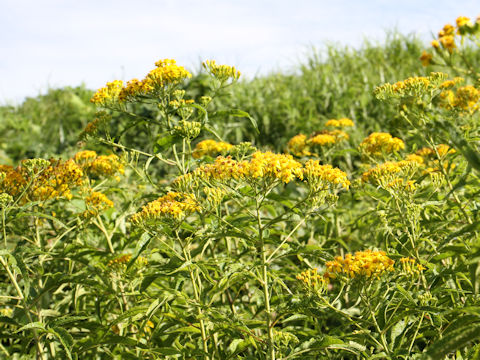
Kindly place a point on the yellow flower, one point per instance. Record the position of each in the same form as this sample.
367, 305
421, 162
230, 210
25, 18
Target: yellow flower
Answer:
297, 145
463, 21
173, 205
210, 148
381, 143
221, 72
368, 263
447, 30
343, 122
426, 58
410, 266
166, 73
387, 172
324, 176
108, 94
448, 42
312, 280
97, 202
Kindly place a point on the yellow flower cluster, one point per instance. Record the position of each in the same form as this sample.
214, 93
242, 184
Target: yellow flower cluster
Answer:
261, 165
210, 148
363, 264
426, 58
108, 94
221, 72
121, 260
446, 36
97, 202
377, 144
312, 280
321, 177
466, 98
179, 103
99, 165
214, 195
343, 122
300, 145
297, 145
410, 266
166, 73
55, 181
173, 205
427, 158
441, 149
322, 180
366, 263
411, 87
386, 173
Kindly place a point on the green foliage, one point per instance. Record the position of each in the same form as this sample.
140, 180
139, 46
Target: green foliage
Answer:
345, 249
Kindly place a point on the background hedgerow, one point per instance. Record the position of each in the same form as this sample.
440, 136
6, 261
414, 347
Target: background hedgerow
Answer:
327, 213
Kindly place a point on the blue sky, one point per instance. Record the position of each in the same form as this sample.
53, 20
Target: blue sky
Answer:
52, 43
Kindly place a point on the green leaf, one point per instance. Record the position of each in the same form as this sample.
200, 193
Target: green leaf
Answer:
164, 142
128, 314
405, 293
139, 248
453, 341
65, 339
237, 113
31, 326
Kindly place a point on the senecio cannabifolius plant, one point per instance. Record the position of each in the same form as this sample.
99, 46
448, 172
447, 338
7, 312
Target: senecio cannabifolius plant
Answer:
346, 246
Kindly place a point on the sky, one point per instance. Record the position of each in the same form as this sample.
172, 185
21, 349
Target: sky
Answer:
53, 43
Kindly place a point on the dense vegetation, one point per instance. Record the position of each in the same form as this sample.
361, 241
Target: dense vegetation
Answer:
330, 213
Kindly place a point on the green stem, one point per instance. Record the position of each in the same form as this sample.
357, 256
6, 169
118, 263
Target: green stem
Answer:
40, 352
266, 295
196, 293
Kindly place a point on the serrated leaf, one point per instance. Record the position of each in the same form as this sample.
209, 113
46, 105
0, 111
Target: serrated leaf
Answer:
65, 339
453, 341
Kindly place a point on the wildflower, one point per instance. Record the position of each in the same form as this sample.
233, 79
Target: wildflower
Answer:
463, 21
410, 267
92, 127
120, 260
447, 30
221, 72
215, 195
412, 86
324, 176
97, 202
322, 139
297, 145
57, 181
312, 280
467, 98
381, 143
426, 58
343, 122
368, 263
103, 165
188, 129
448, 42
173, 205
435, 44
210, 148
108, 94
387, 172
166, 73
